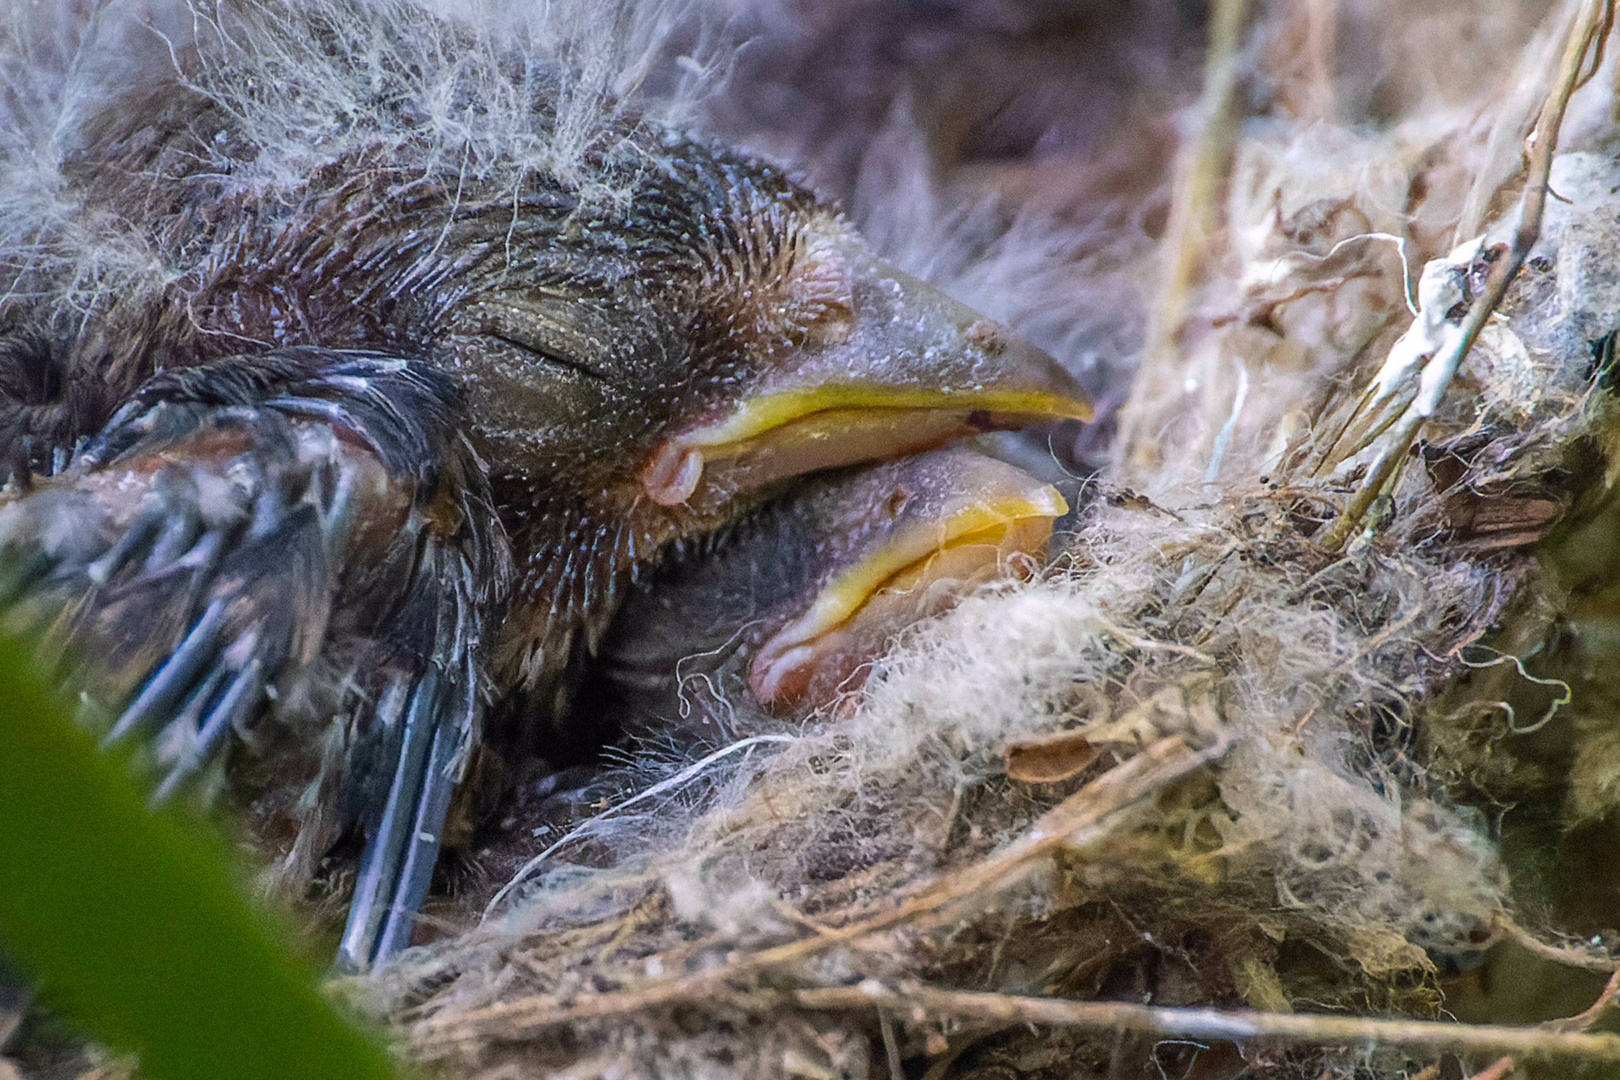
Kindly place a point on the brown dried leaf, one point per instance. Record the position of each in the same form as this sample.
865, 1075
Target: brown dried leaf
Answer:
1050, 758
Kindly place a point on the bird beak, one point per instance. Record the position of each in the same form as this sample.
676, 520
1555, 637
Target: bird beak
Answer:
973, 519
900, 367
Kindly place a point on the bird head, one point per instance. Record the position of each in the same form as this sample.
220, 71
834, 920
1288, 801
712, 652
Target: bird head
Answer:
649, 341
653, 359
788, 609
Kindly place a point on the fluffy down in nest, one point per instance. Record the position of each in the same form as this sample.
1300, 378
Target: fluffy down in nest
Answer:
1306, 717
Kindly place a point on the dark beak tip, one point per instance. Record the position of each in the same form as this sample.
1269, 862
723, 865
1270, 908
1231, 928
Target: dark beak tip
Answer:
1049, 374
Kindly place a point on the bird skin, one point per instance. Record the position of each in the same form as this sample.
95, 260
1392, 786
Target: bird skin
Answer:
354, 475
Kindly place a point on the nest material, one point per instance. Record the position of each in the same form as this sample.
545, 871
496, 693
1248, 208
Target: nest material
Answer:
1244, 746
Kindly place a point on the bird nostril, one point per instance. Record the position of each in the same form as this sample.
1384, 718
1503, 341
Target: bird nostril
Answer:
988, 336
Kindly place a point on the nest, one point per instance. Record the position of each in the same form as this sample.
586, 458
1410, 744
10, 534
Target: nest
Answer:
1308, 721
1298, 763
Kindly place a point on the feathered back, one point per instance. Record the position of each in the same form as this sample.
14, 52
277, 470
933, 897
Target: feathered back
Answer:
473, 95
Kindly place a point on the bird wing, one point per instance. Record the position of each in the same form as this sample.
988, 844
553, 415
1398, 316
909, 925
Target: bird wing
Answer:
294, 548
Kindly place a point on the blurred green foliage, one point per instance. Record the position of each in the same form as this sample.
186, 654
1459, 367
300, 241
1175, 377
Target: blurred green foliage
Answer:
133, 924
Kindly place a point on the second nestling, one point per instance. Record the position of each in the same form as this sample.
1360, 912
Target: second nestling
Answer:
787, 609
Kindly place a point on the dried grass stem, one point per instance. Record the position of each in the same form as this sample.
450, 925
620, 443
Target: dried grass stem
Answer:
1589, 31
918, 1002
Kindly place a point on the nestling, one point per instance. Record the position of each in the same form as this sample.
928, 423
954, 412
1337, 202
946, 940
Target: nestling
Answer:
351, 453
787, 609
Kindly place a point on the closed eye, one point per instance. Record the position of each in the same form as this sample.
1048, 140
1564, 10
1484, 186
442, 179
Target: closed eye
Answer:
534, 332
546, 356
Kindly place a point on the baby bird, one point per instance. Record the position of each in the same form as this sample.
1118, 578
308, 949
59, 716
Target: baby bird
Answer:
785, 611
356, 467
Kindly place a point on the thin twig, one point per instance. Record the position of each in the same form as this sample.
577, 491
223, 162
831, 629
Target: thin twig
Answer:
1192, 220
1496, 1070
1083, 818
1585, 959
1593, 1012
913, 1000
1540, 147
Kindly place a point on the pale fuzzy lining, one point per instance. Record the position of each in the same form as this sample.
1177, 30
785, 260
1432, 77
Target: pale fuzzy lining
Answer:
447, 88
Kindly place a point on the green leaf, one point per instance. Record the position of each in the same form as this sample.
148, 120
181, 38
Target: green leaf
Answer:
133, 924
